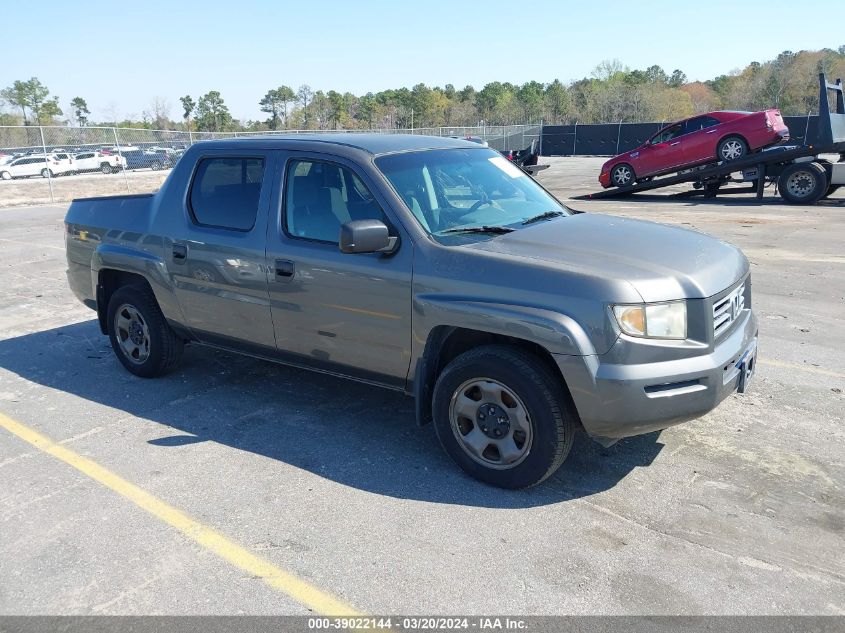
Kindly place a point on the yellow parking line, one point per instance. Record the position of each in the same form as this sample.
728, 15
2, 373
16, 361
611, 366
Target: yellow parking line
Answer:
228, 550
807, 368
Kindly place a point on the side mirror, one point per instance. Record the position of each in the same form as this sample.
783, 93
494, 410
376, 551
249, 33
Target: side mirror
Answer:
366, 236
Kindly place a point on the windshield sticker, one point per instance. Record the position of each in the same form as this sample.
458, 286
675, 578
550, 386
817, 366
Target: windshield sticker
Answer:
506, 166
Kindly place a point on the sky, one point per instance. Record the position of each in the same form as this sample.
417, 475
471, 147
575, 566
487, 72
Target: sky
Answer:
119, 56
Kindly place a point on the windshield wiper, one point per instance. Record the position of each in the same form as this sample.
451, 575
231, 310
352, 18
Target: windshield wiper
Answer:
478, 229
543, 216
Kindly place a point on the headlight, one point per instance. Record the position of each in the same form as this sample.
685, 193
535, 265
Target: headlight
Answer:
655, 320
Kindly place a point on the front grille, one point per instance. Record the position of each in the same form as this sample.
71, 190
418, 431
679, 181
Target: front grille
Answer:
727, 310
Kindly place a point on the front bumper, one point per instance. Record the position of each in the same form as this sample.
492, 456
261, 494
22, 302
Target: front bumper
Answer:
616, 401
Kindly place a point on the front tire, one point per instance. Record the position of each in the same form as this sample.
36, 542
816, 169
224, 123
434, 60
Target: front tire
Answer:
47, 173
140, 336
622, 175
5, 175
503, 417
731, 148
106, 168
155, 166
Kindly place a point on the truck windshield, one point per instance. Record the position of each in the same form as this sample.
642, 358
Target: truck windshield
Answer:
452, 189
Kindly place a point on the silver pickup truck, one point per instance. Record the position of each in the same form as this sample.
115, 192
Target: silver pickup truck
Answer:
430, 266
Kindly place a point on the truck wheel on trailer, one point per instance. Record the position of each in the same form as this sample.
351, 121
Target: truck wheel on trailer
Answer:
803, 183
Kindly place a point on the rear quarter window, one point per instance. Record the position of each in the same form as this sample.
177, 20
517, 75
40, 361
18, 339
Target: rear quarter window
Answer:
225, 192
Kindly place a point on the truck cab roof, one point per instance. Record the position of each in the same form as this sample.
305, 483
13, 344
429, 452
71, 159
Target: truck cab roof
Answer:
374, 144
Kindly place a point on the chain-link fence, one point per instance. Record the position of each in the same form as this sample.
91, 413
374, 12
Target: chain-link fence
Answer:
56, 164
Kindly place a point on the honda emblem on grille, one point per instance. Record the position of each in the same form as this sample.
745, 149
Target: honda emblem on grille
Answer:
735, 303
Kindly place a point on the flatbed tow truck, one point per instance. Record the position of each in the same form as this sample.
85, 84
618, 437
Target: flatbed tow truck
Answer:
800, 173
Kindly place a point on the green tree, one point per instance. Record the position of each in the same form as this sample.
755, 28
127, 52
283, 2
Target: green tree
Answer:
303, 97
212, 113
18, 96
188, 105
80, 111
275, 103
557, 101
35, 96
677, 79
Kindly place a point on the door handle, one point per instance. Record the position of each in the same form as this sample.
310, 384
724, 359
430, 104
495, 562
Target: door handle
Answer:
675, 143
711, 132
180, 252
284, 269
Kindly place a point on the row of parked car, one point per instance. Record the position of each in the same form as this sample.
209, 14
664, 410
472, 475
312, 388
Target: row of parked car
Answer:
107, 159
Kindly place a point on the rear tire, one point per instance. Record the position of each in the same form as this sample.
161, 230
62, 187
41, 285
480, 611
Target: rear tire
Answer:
622, 175
803, 183
106, 168
140, 336
5, 175
47, 173
155, 166
503, 417
731, 148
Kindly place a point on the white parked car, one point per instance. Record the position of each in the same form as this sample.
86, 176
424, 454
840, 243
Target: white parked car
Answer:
34, 165
98, 161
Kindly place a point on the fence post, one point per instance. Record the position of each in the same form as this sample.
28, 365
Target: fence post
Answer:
47, 165
123, 162
807, 127
575, 138
190, 138
618, 135
540, 139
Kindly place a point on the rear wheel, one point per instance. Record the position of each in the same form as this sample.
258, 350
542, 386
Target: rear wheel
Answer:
502, 416
155, 166
5, 175
47, 173
622, 175
140, 336
106, 168
803, 183
731, 148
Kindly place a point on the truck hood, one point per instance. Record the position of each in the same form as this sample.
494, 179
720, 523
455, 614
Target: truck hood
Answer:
661, 262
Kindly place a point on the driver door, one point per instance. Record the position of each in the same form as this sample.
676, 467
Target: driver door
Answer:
345, 313
663, 152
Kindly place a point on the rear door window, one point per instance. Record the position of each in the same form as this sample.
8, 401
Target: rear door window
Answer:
225, 192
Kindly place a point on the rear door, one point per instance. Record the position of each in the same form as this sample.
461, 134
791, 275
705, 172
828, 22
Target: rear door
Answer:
216, 257
699, 140
346, 313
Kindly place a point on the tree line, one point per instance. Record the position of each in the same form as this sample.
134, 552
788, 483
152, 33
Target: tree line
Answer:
612, 93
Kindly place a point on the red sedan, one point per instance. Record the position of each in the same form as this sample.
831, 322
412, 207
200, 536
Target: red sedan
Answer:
706, 138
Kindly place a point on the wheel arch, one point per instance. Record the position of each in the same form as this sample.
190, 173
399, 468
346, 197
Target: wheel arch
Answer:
109, 280
445, 343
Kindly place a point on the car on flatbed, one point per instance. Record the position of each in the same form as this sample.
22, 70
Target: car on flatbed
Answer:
431, 266
706, 138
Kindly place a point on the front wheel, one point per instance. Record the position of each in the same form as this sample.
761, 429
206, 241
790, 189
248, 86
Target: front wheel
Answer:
731, 148
5, 175
155, 166
140, 336
106, 168
46, 173
622, 175
502, 416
